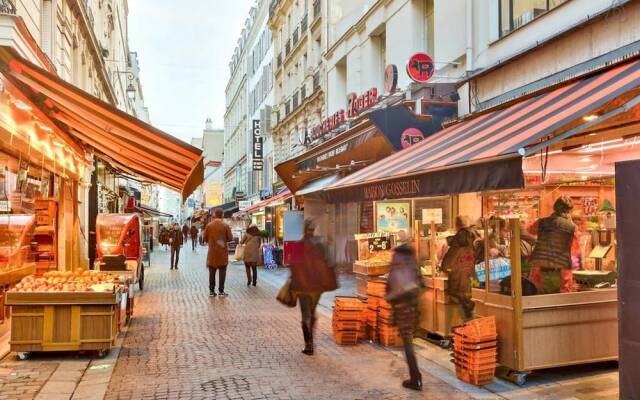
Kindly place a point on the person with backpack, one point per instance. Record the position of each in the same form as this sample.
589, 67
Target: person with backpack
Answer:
217, 235
404, 285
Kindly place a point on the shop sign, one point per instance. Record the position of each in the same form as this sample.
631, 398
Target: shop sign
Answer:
382, 191
357, 104
329, 124
379, 243
420, 67
391, 78
430, 215
332, 153
410, 136
372, 235
258, 163
245, 204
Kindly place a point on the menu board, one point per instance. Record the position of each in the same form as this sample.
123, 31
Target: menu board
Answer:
366, 217
379, 243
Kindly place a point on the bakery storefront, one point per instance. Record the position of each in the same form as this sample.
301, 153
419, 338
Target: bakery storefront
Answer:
50, 134
500, 173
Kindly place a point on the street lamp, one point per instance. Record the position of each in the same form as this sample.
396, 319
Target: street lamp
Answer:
131, 92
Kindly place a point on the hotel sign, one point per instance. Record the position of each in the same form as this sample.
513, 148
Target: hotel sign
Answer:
258, 162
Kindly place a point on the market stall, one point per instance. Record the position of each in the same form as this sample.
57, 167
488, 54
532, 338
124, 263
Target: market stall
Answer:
506, 168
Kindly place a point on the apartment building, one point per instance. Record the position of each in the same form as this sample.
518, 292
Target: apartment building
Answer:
235, 121
299, 37
248, 158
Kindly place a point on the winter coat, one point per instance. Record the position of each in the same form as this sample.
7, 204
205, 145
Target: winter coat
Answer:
193, 232
176, 239
251, 248
217, 235
312, 273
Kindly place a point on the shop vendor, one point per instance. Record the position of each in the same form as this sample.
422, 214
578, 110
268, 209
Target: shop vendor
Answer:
551, 266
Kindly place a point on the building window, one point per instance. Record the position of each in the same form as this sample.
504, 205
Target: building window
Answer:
517, 13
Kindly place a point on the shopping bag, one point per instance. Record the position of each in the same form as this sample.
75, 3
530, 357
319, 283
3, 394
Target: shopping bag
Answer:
286, 296
239, 254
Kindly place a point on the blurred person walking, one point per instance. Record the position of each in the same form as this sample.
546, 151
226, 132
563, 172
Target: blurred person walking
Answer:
311, 275
458, 263
403, 288
251, 242
175, 242
193, 232
217, 235
185, 232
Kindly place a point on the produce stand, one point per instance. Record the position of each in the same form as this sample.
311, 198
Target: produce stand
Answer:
374, 259
63, 321
119, 246
447, 313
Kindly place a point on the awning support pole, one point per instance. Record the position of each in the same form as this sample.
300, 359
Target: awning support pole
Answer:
622, 109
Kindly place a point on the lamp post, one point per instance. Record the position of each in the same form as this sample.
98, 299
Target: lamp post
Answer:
131, 90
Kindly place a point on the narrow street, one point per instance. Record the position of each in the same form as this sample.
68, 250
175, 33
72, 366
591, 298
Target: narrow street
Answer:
183, 344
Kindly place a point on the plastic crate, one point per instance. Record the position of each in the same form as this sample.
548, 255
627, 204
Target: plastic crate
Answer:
344, 303
346, 338
346, 325
481, 327
339, 315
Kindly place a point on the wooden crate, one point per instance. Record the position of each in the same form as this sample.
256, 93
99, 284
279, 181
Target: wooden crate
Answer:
14, 276
371, 269
63, 321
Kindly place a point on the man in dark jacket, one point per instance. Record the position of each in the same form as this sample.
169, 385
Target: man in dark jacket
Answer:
175, 241
185, 232
193, 232
551, 258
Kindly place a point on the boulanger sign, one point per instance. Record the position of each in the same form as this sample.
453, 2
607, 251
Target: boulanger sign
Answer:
356, 105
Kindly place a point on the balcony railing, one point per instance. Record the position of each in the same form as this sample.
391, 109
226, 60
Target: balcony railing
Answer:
272, 7
304, 24
317, 9
316, 80
87, 9
7, 7
296, 100
287, 48
303, 92
279, 60
296, 36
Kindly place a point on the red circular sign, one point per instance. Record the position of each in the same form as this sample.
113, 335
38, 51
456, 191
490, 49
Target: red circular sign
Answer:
410, 137
420, 67
391, 78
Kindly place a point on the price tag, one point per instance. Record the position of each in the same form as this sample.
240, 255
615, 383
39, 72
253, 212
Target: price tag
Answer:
431, 215
379, 243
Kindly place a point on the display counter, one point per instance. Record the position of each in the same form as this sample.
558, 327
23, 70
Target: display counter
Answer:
553, 330
63, 321
439, 317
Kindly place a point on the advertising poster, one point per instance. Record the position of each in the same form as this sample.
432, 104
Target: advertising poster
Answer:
213, 194
393, 217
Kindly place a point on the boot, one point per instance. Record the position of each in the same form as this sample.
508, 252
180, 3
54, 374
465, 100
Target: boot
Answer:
413, 384
307, 332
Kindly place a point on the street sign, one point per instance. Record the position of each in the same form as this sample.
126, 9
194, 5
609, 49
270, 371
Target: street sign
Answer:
420, 67
245, 204
391, 78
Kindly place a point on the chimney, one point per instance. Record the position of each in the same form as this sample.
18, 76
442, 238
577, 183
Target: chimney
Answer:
208, 124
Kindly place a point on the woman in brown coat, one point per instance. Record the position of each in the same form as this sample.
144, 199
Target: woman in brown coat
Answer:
310, 277
251, 242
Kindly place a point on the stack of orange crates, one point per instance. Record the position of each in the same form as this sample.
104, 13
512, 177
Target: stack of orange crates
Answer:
348, 319
379, 327
475, 347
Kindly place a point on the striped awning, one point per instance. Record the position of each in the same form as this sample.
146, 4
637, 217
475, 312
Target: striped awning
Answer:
128, 144
503, 133
278, 199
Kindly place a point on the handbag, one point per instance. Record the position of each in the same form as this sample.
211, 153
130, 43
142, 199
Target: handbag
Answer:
239, 253
286, 296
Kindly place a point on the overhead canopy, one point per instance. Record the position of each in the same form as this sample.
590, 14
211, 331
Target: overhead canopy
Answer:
152, 212
486, 149
271, 201
127, 143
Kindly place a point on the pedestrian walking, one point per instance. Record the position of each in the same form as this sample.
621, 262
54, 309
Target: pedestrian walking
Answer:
217, 235
311, 275
402, 291
251, 242
175, 242
193, 232
185, 232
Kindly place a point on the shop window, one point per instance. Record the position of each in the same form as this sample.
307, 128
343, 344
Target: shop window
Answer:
517, 13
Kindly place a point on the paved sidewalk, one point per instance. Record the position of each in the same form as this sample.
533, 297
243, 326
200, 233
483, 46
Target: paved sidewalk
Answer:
185, 345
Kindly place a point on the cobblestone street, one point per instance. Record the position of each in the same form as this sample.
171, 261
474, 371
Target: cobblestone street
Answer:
183, 344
